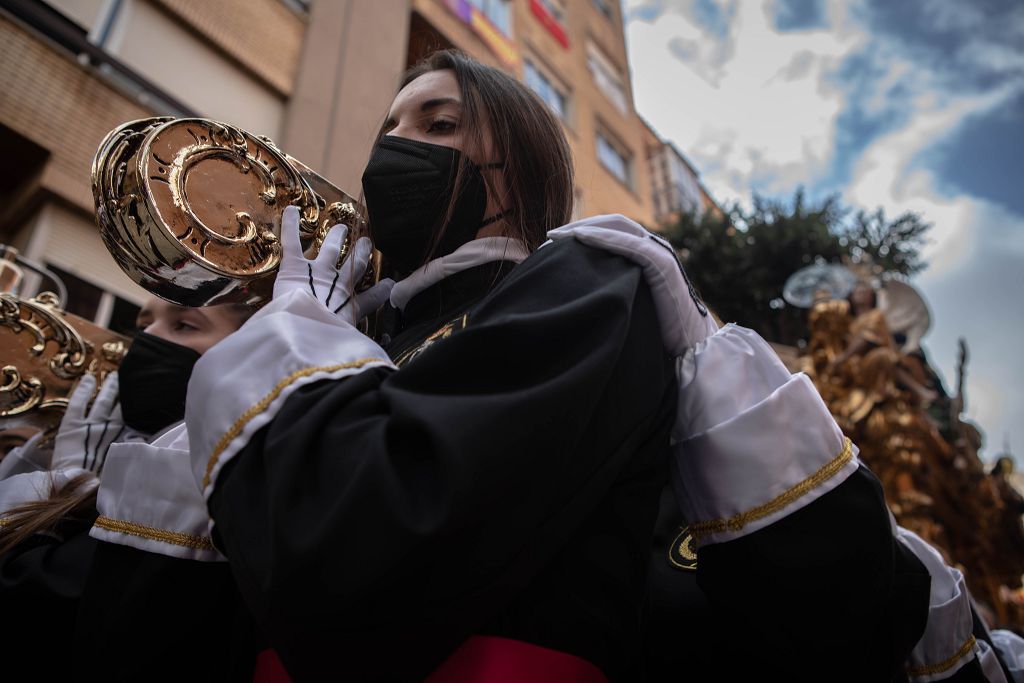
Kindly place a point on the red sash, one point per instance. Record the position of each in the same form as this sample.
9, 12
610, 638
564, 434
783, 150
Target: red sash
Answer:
487, 659
481, 659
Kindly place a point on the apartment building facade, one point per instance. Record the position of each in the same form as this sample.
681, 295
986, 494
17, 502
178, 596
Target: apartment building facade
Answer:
314, 76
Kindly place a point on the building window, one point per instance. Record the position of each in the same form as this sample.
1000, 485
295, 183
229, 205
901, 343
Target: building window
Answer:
83, 297
614, 158
123, 317
497, 12
96, 304
605, 6
554, 96
556, 9
551, 14
607, 77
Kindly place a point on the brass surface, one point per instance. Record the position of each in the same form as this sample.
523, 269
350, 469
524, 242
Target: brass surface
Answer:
44, 352
191, 208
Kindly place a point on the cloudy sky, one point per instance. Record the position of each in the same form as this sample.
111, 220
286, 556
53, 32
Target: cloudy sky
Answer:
913, 105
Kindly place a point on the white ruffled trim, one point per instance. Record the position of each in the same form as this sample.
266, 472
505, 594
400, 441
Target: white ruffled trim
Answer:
948, 643
472, 253
149, 500
239, 385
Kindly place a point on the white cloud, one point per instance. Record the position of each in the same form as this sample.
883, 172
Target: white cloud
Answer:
752, 105
946, 15
755, 108
1001, 59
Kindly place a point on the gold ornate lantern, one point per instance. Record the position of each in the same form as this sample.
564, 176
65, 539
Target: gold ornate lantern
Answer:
191, 208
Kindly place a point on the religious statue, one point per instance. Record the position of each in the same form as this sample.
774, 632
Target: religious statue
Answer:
868, 366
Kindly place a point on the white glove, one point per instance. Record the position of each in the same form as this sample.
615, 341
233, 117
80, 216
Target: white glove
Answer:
321, 277
84, 438
685, 320
32, 456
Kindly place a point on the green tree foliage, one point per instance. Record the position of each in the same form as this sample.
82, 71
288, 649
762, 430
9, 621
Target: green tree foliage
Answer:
740, 261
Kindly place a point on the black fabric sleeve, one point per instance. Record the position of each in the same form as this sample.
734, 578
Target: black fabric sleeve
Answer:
380, 519
41, 583
825, 593
150, 617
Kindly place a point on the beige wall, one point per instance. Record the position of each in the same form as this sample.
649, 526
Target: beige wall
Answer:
180, 62
353, 58
85, 13
263, 36
68, 239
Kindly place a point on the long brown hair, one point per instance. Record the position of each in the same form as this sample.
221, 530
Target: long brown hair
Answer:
527, 138
74, 501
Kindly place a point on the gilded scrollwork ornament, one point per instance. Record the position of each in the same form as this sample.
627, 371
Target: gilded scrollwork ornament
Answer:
191, 208
46, 350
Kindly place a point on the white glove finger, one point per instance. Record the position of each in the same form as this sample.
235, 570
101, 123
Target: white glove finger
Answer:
79, 399
106, 399
373, 298
355, 264
331, 248
290, 244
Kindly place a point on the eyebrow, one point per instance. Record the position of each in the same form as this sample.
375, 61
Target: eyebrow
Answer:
438, 102
427, 105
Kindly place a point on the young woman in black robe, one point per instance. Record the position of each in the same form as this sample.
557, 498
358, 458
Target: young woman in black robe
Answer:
472, 496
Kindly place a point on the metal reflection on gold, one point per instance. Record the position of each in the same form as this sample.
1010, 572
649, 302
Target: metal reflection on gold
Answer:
46, 351
191, 208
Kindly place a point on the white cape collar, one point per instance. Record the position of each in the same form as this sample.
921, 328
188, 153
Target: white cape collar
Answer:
473, 253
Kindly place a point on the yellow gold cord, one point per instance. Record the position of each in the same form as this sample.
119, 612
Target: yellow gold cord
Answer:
738, 521
252, 412
946, 665
143, 531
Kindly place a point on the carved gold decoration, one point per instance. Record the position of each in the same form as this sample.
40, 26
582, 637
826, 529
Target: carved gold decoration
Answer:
913, 438
191, 208
45, 351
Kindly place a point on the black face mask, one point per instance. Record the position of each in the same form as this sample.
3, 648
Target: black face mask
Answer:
408, 186
152, 380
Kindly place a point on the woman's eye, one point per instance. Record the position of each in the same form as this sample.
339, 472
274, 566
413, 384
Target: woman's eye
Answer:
441, 126
182, 326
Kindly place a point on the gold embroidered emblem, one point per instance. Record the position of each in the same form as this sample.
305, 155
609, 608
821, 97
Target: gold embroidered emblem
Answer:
682, 554
444, 332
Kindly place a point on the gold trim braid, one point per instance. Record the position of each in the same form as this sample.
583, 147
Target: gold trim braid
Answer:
738, 521
152, 533
946, 665
255, 410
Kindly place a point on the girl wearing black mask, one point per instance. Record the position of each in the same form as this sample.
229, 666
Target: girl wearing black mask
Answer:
472, 495
45, 548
